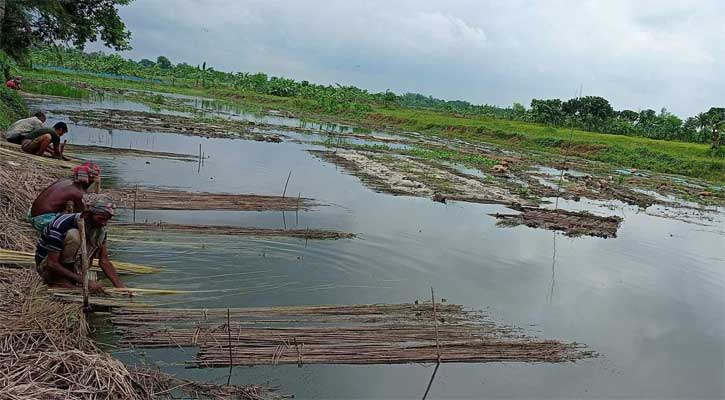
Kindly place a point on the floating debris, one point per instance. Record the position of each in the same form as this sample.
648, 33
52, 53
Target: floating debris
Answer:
354, 334
572, 223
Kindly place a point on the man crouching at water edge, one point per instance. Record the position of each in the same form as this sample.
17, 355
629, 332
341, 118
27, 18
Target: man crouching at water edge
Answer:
14, 134
57, 255
63, 196
38, 141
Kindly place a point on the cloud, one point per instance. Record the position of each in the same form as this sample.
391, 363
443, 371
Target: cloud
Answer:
647, 54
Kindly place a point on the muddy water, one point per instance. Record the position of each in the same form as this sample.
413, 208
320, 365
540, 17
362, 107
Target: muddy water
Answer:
651, 301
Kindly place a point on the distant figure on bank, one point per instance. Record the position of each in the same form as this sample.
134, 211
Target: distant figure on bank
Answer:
63, 196
57, 255
14, 83
14, 134
38, 141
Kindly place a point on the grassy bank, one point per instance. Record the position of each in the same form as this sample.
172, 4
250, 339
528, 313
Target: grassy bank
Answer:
688, 159
12, 107
55, 89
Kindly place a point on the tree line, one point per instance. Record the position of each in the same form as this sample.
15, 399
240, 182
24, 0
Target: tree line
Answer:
590, 113
55, 32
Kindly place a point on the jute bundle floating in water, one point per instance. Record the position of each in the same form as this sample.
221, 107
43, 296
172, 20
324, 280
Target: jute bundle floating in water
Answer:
141, 228
154, 199
357, 334
45, 353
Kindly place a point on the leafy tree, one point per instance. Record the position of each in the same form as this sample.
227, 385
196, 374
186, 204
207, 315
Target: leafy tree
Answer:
547, 111
592, 111
76, 22
518, 112
715, 120
628, 115
163, 62
147, 63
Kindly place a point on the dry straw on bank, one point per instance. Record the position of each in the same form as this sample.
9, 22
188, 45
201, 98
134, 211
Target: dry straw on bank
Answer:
45, 353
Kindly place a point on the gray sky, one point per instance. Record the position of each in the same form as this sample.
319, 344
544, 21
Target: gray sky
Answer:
638, 54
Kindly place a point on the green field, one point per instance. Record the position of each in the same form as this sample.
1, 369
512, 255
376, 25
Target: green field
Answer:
688, 159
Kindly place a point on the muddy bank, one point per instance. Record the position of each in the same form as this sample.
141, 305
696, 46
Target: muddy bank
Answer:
405, 176
316, 234
572, 224
151, 122
155, 199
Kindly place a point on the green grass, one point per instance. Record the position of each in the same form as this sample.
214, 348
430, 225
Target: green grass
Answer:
688, 159
55, 89
12, 107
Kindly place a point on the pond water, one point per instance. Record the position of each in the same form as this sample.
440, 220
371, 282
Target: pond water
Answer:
650, 301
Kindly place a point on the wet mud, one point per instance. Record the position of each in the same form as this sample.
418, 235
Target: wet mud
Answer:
571, 223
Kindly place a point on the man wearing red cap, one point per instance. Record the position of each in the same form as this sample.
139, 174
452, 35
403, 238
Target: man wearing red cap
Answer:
64, 195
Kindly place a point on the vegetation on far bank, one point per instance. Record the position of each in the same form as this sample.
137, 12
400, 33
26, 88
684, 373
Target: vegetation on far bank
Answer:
675, 157
590, 113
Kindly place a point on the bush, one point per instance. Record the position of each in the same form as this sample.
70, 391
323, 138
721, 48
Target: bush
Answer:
12, 107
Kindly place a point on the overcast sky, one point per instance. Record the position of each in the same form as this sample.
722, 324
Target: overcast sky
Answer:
638, 54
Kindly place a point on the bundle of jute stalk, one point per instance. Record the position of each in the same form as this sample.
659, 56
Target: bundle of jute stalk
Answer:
46, 353
28, 259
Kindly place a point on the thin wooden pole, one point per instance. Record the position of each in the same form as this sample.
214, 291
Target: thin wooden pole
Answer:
297, 209
430, 382
435, 324
135, 196
286, 183
229, 336
84, 261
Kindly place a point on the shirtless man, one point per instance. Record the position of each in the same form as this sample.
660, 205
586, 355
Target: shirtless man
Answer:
63, 195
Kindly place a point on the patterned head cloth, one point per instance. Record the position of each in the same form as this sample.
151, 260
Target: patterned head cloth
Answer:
99, 203
86, 173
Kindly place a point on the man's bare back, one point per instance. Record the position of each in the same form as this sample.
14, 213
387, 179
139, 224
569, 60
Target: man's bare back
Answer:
55, 197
